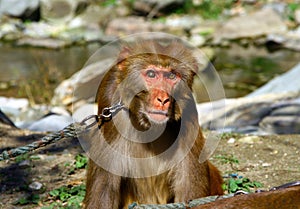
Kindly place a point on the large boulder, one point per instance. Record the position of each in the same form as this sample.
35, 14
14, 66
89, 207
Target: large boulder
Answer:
287, 82
263, 22
25, 9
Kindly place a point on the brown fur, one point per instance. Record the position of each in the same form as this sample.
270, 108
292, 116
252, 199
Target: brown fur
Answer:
186, 180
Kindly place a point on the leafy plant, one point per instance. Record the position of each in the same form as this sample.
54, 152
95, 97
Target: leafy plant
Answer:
227, 159
108, 3
21, 158
67, 197
31, 199
234, 184
79, 163
291, 8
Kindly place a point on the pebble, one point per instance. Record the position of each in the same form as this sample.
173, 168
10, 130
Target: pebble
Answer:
36, 186
249, 139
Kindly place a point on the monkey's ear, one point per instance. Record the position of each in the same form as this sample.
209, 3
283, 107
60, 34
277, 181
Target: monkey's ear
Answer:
124, 53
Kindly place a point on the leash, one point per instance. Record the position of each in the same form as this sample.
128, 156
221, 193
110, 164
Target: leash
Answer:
71, 131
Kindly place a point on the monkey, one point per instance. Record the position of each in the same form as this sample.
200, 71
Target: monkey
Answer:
156, 138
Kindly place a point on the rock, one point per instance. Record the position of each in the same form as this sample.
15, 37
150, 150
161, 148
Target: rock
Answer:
263, 22
25, 9
51, 123
25, 164
282, 84
281, 124
277, 6
60, 11
264, 114
291, 110
35, 186
289, 40
297, 16
186, 22
5, 119
13, 103
83, 85
84, 111
10, 28
126, 26
43, 30
49, 43
94, 15
156, 7
129, 25
249, 139
197, 40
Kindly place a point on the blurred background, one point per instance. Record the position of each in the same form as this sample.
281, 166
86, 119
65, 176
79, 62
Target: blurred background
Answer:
254, 45
44, 42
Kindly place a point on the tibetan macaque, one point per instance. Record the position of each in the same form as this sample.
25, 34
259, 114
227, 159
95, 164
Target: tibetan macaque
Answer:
153, 82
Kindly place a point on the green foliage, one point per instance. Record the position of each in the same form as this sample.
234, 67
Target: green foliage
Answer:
26, 156
67, 197
31, 199
209, 9
229, 135
227, 159
291, 8
21, 158
79, 163
232, 185
108, 3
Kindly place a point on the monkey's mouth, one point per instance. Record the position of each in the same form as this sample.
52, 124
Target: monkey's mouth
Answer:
157, 116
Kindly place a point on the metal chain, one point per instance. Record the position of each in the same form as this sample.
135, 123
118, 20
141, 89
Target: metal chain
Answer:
71, 131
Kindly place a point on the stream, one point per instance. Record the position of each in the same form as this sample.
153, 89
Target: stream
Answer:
35, 72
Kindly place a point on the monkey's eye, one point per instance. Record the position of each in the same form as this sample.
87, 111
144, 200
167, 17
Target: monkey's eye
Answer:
150, 73
171, 75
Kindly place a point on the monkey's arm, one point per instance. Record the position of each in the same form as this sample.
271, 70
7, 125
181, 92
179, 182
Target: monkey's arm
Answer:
102, 189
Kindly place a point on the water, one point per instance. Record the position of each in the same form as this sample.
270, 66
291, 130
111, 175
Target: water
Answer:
34, 72
243, 70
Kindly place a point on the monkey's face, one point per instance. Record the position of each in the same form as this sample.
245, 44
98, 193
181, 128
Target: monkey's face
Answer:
159, 84
155, 88
162, 97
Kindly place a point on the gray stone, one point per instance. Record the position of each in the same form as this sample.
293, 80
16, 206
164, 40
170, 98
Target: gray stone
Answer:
253, 115
289, 40
287, 110
51, 123
127, 26
35, 186
58, 11
263, 22
18, 8
25, 164
186, 22
154, 7
83, 85
287, 82
43, 42
281, 124
297, 16
84, 111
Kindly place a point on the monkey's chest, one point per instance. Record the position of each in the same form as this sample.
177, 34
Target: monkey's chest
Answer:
151, 190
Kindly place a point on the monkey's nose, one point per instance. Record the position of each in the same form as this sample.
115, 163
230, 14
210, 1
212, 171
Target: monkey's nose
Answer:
163, 100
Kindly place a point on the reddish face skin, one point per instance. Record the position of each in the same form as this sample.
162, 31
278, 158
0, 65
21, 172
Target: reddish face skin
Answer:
160, 81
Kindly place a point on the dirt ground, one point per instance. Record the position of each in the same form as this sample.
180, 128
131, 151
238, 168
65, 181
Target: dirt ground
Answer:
271, 160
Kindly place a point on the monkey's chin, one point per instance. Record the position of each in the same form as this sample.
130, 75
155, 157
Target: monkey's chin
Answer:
158, 117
